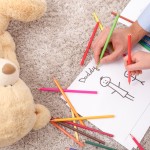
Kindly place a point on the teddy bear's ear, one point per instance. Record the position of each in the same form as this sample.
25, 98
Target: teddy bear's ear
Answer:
23, 10
8, 69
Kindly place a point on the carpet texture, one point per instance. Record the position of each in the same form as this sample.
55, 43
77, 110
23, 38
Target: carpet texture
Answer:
53, 47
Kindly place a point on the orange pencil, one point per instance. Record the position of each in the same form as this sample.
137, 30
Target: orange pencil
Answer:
124, 18
67, 100
129, 56
66, 133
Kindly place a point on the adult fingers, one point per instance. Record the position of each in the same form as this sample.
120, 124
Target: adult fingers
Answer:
112, 57
99, 43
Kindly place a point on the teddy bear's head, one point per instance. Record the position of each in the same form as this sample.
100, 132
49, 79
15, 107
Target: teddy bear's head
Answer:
18, 112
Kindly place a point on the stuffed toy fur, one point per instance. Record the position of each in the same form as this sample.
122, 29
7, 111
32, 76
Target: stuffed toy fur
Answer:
18, 112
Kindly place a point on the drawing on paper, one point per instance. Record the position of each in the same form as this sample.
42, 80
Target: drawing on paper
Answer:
133, 77
106, 82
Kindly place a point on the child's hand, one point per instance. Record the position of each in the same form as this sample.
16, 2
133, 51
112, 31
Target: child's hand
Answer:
140, 61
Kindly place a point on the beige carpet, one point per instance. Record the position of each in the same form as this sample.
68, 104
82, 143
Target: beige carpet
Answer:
53, 47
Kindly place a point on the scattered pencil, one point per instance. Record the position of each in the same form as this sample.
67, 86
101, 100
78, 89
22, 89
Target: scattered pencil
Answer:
82, 118
90, 129
68, 90
89, 44
97, 20
129, 57
67, 148
76, 134
124, 18
137, 143
109, 47
109, 36
81, 132
66, 133
99, 145
67, 100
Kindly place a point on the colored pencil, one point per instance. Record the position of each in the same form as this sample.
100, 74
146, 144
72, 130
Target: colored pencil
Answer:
97, 20
67, 148
129, 57
108, 38
83, 118
67, 100
124, 18
81, 132
99, 145
89, 44
101, 28
137, 143
76, 134
90, 129
144, 44
68, 90
66, 133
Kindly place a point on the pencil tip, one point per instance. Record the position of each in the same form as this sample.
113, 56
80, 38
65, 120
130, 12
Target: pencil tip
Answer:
97, 66
131, 135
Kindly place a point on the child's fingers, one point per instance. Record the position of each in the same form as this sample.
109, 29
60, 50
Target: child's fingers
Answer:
125, 60
136, 72
134, 66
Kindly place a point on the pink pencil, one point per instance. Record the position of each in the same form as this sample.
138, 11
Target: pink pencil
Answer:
90, 129
89, 44
66, 90
129, 56
137, 143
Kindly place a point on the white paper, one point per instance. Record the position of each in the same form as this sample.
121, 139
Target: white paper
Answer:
130, 106
133, 10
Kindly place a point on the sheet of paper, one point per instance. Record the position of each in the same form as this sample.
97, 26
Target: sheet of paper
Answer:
133, 10
129, 103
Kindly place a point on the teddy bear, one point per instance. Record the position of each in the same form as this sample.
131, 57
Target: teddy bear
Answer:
18, 112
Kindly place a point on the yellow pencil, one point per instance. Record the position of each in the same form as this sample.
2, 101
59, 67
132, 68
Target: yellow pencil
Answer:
76, 134
83, 118
97, 20
67, 100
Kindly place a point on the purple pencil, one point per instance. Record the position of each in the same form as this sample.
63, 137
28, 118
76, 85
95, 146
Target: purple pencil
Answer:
67, 90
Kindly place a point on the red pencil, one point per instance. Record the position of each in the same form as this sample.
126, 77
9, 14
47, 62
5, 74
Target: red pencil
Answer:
89, 44
137, 143
90, 129
124, 18
129, 56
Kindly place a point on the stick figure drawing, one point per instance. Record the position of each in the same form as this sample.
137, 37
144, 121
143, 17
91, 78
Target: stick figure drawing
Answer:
134, 78
106, 82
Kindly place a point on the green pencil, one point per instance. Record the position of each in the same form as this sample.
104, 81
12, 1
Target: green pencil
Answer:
109, 36
99, 145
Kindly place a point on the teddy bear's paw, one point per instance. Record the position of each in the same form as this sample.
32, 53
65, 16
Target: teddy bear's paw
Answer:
43, 116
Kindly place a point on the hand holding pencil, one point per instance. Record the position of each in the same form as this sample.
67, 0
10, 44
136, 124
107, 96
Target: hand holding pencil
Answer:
118, 40
140, 61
